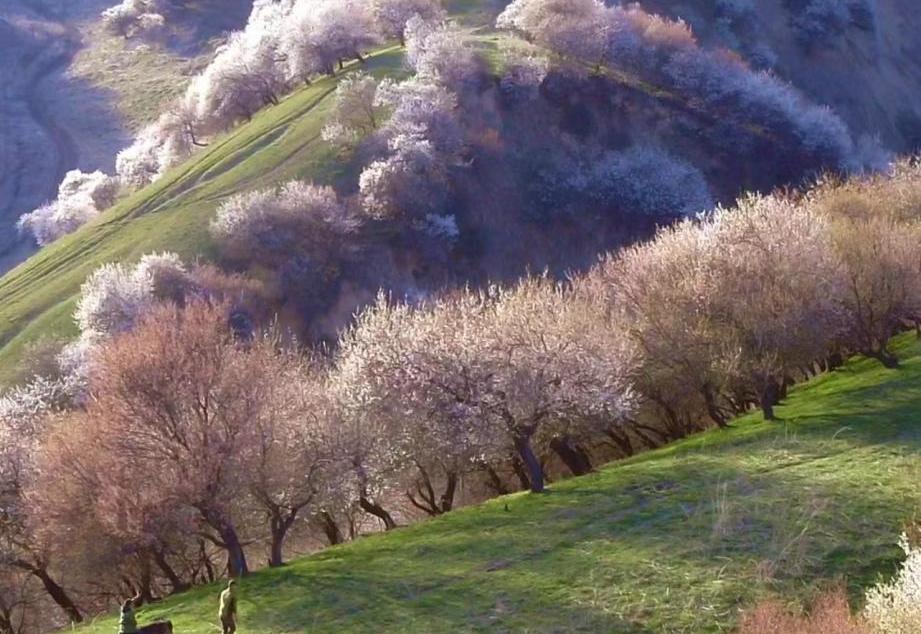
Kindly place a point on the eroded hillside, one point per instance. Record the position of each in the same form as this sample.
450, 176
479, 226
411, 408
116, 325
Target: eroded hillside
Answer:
74, 94
860, 57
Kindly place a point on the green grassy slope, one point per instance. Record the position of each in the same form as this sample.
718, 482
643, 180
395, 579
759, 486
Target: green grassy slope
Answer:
282, 142
676, 540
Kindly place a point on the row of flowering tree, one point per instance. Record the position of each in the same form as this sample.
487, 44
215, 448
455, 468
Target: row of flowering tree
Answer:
182, 425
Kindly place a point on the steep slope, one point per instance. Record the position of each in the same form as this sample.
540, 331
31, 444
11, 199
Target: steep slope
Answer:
862, 62
677, 540
73, 94
51, 123
36, 298
280, 143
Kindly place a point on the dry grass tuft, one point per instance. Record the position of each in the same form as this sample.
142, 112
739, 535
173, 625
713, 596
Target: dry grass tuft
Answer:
830, 614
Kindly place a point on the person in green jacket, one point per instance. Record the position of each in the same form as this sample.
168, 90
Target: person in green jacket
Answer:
228, 610
127, 622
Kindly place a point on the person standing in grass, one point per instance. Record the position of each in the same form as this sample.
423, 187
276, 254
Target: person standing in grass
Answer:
228, 610
127, 622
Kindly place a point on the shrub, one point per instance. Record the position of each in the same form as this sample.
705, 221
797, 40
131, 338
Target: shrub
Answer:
114, 296
81, 197
894, 607
134, 17
271, 226
315, 36
356, 112
821, 21
830, 614
440, 54
392, 15
647, 180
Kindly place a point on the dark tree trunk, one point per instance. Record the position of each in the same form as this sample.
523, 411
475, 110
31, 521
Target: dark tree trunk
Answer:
573, 456
230, 541
56, 592
175, 582
712, 409
375, 509
518, 467
6, 622
206, 561
621, 439
535, 471
768, 400
276, 558
834, 361
236, 558
784, 387
447, 497
495, 481
428, 501
885, 357
145, 586
330, 528
281, 522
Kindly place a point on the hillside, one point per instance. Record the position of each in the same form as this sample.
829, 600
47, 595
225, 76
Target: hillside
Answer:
76, 93
36, 298
676, 540
282, 142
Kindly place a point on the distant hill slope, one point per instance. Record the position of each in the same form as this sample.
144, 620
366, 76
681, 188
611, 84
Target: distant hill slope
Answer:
676, 540
73, 94
283, 142
36, 299
861, 60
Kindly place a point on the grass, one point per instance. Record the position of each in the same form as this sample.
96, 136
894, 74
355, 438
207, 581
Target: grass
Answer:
280, 143
142, 78
37, 298
675, 540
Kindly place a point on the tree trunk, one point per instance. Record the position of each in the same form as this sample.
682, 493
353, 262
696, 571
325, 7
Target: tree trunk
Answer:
518, 467
56, 592
494, 480
375, 509
834, 361
275, 551
330, 529
535, 472
573, 456
280, 524
145, 586
447, 498
6, 622
621, 439
428, 501
236, 558
176, 584
768, 399
785, 387
206, 561
712, 409
885, 357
